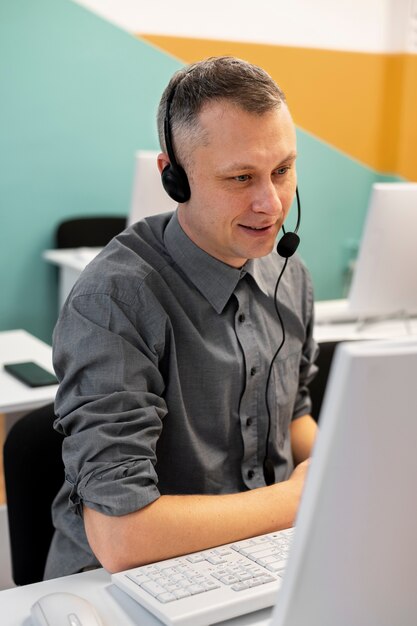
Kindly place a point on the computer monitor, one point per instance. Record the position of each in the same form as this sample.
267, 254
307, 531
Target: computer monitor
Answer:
148, 195
354, 556
384, 281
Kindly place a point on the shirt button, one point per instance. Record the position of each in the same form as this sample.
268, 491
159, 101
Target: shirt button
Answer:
249, 421
253, 371
251, 474
241, 318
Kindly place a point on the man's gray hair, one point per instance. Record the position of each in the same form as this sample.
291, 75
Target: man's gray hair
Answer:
243, 84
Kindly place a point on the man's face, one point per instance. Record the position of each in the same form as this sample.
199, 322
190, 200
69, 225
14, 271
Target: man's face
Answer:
242, 180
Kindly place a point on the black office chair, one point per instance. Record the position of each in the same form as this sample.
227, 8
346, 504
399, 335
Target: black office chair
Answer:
92, 231
317, 386
33, 473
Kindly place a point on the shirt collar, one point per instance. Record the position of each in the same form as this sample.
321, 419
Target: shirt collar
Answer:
213, 278
263, 272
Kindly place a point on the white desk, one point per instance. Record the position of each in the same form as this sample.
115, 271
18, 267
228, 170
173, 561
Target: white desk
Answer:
15, 396
349, 331
114, 607
71, 262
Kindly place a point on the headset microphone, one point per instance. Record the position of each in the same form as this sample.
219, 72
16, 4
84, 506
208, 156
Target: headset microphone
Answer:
289, 242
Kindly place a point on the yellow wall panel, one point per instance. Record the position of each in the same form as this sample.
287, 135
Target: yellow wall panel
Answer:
360, 103
407, 150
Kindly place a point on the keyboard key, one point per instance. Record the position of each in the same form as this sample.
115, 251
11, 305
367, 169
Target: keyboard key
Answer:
264, 548
276, 566
195, 589
245, 576
139, 578
196, 558
216, 560
153, 588
181, 593
271, 558
166, 597
222, 551
228, 580
169, 572
240, 586
210, 585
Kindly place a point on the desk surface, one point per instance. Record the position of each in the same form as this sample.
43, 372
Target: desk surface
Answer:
114, 607
15, 396
349, 331
72, 258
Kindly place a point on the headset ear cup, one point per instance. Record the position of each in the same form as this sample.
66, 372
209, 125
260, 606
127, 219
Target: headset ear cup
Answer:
175, 183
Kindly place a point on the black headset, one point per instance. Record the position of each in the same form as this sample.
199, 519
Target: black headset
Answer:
175, 183
174, 178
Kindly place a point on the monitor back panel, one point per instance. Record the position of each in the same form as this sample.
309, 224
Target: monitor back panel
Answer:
148, 195
385, 277
354, 555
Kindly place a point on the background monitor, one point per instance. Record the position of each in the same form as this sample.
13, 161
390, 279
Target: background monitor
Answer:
148, 195
384, 281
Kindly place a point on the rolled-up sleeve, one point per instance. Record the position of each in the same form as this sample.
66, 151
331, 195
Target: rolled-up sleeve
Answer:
109, 404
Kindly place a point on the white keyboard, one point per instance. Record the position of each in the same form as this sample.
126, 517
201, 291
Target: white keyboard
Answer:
213, 585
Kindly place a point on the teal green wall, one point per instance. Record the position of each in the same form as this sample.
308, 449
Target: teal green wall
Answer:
334, 193
78, 98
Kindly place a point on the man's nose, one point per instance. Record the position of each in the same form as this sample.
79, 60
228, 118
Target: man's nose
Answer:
267, 200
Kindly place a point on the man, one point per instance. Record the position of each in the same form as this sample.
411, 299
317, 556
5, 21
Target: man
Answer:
179, 398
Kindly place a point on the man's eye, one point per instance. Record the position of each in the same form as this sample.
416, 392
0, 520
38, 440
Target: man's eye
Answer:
242, 178
282, 170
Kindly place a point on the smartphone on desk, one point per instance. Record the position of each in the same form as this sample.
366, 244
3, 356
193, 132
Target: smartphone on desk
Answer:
31, 374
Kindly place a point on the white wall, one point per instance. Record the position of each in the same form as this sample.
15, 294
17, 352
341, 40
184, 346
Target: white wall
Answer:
361, 25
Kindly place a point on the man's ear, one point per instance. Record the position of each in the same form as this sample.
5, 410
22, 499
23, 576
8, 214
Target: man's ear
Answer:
162, 161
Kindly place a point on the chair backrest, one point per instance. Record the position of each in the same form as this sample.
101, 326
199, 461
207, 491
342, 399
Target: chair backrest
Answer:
33, 473
93, 231
317, 387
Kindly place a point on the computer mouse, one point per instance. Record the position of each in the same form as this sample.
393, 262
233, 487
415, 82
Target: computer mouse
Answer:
64, 609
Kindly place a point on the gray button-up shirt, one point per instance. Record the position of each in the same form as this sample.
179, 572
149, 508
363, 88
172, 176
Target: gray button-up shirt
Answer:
163, 354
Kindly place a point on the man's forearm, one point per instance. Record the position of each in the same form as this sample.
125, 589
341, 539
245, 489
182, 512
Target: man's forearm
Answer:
303, 431
174, 525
